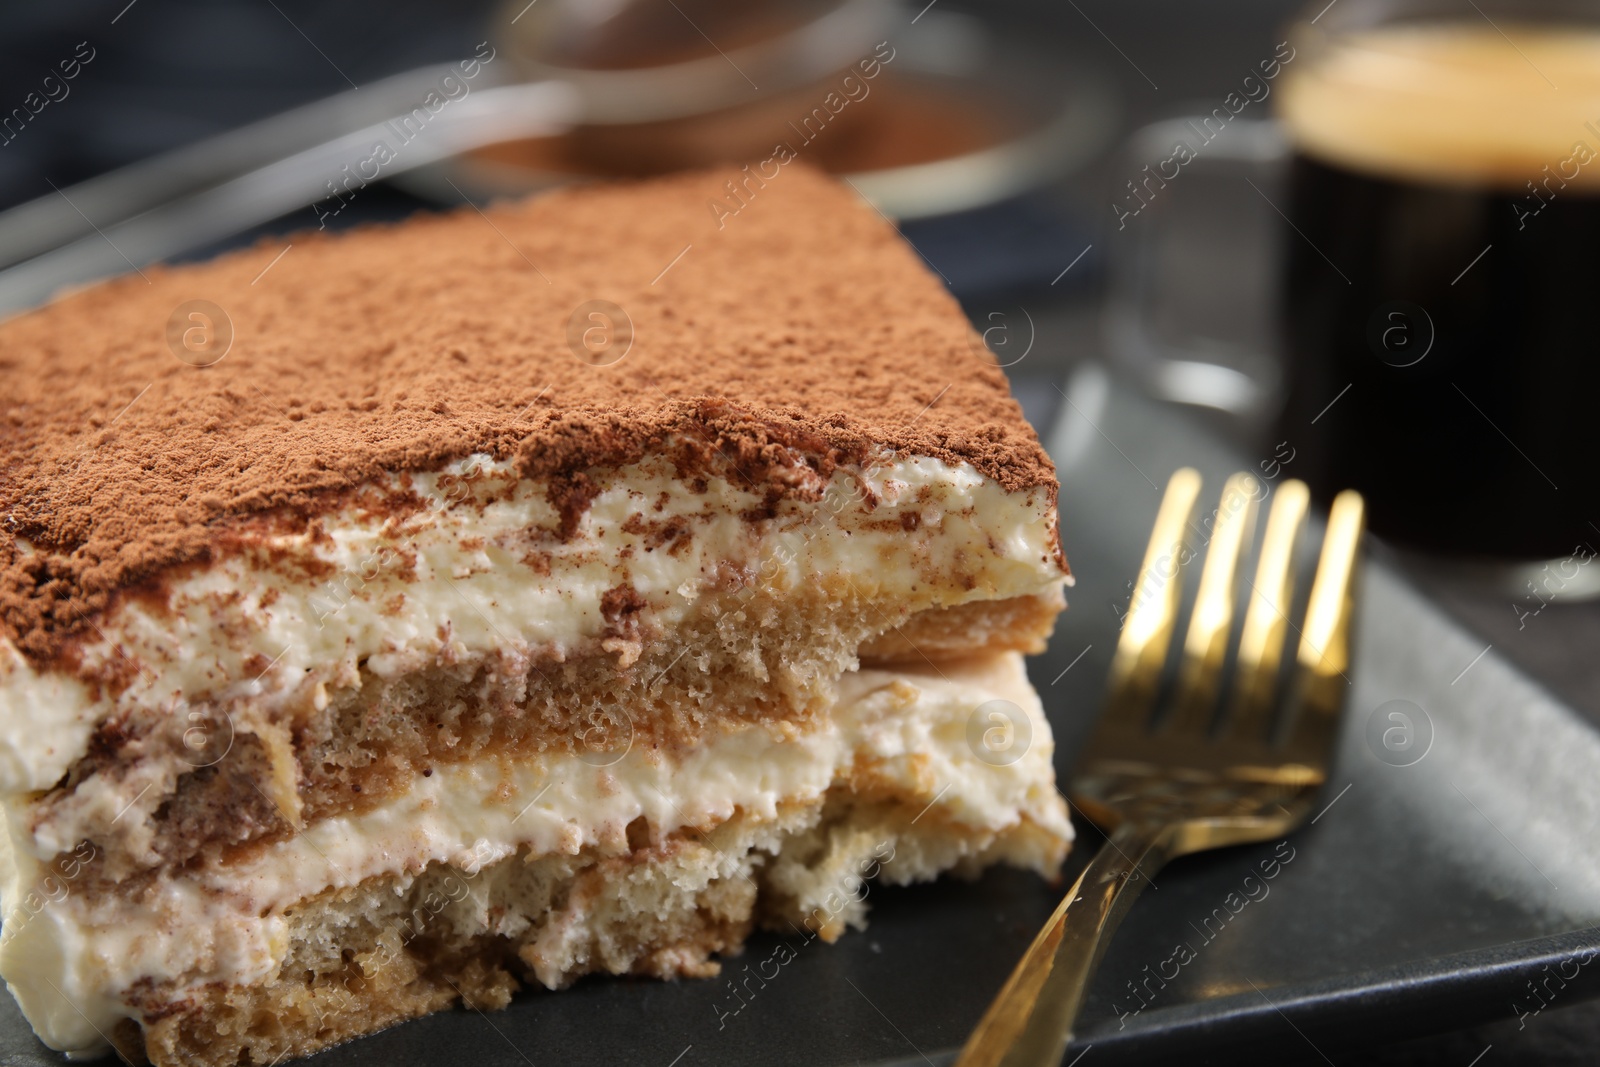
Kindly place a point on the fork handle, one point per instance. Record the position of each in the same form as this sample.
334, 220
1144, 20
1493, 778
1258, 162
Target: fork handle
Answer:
1030, 1022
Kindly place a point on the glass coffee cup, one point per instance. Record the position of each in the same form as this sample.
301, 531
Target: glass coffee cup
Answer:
1438, 299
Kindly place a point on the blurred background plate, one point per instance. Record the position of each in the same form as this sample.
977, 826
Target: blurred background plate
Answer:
965, 115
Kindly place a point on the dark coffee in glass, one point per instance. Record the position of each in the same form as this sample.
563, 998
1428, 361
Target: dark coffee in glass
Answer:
1442, 308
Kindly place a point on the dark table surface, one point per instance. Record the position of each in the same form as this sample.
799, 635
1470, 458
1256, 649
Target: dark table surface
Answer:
167, 72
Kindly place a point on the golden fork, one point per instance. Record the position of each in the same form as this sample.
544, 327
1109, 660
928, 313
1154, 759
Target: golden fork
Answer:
1166, 786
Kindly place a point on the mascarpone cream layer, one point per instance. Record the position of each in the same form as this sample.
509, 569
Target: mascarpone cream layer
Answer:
926, 737
479, 568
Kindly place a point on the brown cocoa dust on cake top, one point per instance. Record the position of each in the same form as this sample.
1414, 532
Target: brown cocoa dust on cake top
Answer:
801, 330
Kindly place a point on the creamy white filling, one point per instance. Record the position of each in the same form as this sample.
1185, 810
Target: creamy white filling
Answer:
474, 572
969, 741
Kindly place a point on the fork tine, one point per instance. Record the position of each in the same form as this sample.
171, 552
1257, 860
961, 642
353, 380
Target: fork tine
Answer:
1266, 621
1164, 796
1325, 642
1211, 624
1152, 614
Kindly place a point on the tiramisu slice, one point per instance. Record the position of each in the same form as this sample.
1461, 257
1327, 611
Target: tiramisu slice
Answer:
390, 618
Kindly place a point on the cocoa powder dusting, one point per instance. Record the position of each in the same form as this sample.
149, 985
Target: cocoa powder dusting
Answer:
784, 340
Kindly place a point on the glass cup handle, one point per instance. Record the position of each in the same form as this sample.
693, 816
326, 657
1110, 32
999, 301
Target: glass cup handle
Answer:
1240, 379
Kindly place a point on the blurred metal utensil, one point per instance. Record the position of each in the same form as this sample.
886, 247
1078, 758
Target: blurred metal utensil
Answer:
969, 114
206, 191
52, 220
1166, 786
196, 219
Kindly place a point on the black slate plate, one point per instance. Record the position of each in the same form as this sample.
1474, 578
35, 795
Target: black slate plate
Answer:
1425, 898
